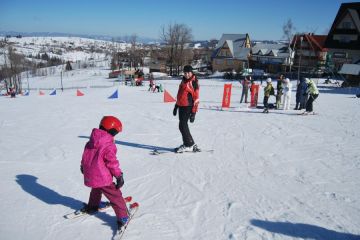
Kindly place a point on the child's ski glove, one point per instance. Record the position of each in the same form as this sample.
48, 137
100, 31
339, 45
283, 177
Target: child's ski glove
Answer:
119, 181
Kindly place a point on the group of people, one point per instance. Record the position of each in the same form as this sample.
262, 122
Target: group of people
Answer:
99, 163
306, 93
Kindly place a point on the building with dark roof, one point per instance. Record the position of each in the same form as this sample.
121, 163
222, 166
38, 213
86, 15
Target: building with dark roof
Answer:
343, 40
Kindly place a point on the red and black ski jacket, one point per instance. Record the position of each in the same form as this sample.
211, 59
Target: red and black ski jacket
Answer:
188, 93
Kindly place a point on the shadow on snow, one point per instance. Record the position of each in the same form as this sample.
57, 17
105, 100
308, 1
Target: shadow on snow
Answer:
137, 145
30, 185
304, 231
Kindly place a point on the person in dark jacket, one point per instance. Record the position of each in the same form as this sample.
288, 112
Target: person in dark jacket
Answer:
298, 93
303, 94
279, 93
187, 103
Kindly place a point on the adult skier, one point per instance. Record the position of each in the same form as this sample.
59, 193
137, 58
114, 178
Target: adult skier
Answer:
304, 95
313, 94
268, 90
245, 89
279, 93
187, 103
287, 94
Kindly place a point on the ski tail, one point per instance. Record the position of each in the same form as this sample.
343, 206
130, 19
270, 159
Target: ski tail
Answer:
132, 209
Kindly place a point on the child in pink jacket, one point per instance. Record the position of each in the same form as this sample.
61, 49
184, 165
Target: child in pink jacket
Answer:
99, 165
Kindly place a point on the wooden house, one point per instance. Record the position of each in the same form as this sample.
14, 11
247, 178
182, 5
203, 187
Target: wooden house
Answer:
310, 52
270, 57
343, 40
231, 53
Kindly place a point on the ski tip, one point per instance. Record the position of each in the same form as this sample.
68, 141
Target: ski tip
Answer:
128, 199
134, 205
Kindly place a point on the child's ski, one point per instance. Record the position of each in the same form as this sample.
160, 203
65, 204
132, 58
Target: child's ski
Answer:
82, 212
132, 209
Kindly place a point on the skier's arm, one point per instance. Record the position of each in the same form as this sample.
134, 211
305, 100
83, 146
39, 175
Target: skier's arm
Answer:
111, 161
196, 96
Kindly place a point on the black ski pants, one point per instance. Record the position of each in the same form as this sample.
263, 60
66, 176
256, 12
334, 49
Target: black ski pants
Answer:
309, 103
266, 105
184, 116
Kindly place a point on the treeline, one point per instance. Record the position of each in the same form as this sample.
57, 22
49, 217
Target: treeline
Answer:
15, 64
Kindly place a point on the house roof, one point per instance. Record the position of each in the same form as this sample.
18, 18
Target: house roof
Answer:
346, 9
270, 49
316, 42
236, 44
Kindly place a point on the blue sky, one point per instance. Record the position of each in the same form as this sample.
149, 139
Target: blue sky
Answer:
262, 19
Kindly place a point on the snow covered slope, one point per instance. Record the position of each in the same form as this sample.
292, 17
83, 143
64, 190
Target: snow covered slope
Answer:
270, 176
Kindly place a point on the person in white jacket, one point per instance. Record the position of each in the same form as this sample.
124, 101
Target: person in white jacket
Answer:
286, 94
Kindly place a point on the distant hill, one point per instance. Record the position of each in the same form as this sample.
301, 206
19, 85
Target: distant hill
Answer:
91, 36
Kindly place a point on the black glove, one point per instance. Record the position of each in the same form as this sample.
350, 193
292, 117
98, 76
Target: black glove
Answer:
192, 117
81, 169
175, 110
119, 181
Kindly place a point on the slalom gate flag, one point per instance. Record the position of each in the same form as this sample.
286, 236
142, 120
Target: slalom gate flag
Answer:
53, 93
226, 95
41, 93
79, 93
254, 95
168, 97
114, 95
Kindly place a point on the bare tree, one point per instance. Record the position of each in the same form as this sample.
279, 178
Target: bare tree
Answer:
288, 29
176, 36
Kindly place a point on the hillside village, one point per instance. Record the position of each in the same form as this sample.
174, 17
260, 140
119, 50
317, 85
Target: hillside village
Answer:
333, 56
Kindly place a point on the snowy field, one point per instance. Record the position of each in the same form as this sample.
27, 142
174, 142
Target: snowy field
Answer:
270, 176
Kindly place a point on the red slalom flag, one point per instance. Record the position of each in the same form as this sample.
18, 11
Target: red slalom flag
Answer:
79, 93
254, 95
41, 93
226, 95
168, 97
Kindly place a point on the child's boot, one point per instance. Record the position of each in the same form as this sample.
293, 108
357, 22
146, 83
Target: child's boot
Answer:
122, 222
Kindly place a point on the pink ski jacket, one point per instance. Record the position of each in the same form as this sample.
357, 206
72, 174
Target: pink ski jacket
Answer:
99, 160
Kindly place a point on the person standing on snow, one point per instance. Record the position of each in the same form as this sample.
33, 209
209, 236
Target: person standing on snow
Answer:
245, 88
268, 90
279, 93
297, 100
287, 94
187, 103
313, 94
99, 165
303, 94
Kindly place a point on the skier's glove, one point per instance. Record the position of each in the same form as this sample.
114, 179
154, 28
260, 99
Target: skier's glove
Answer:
119, 181
81, 169
175, 110
192, 117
